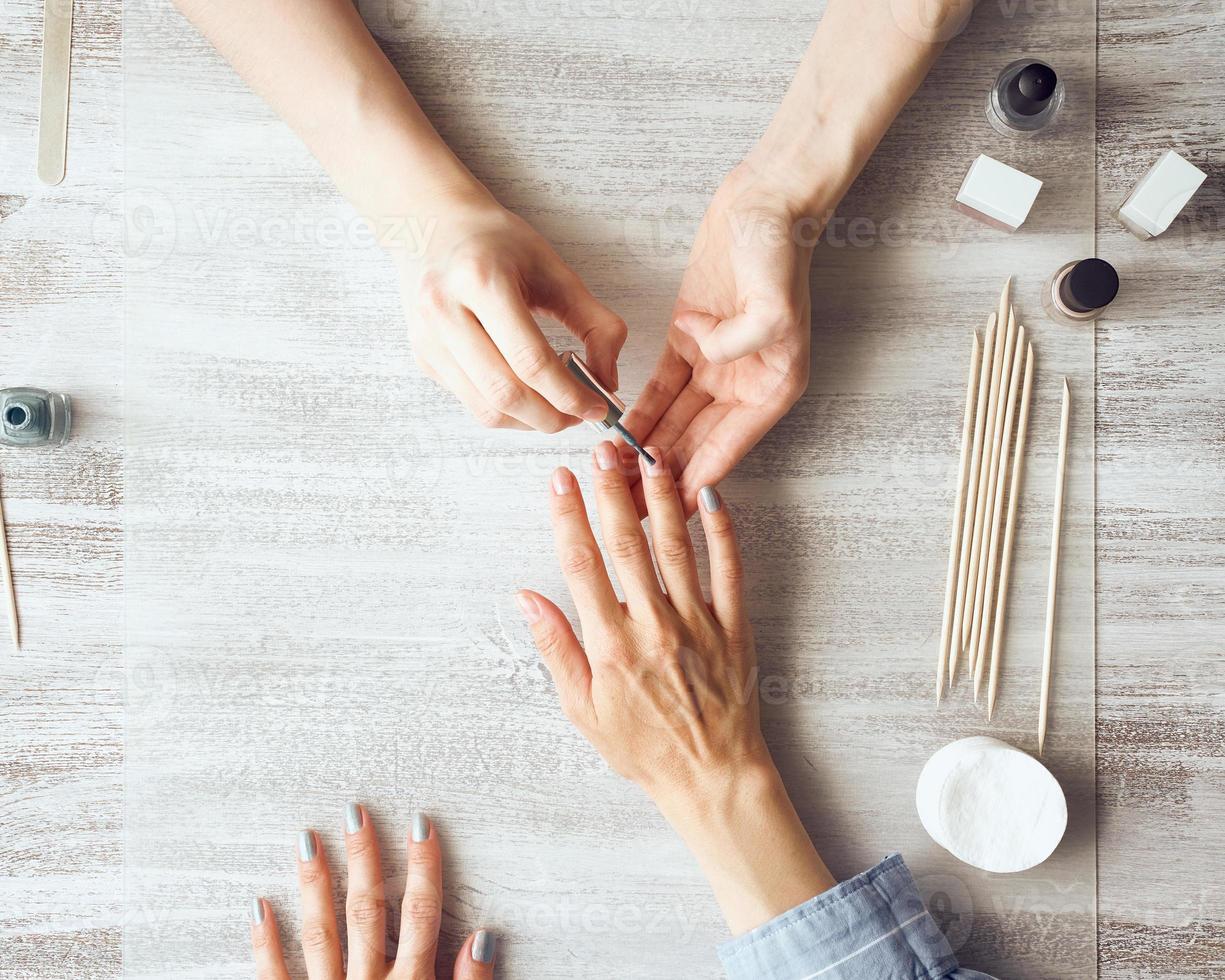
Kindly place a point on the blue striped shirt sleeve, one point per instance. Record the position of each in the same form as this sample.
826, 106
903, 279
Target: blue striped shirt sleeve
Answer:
871, 927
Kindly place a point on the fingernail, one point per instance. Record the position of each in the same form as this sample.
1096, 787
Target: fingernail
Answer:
629, 460
256, 912
353, 818
606, 456
563, 481
306, 845
596, 414
656, 468
421, 828
484, 946
710, 499
528, 606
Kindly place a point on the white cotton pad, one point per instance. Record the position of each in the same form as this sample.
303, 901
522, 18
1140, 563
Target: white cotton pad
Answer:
997, 194
1160, 196
991, 805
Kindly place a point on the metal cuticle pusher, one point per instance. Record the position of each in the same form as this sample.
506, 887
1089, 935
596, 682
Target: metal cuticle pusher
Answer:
616, 407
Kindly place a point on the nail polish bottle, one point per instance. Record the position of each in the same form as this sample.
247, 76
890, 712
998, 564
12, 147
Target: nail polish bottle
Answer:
1078, 292
1025, 98
33, 417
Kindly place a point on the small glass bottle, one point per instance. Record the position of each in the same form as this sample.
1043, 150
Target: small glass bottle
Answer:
1078, 291
34, 417
1025, 98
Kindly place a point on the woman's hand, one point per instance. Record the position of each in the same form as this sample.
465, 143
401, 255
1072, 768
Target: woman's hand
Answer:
666, 685
737, 353
366, 913
470, 290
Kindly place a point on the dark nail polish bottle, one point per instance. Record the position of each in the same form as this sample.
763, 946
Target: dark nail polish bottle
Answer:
1078, 292
33, 417
1025, 98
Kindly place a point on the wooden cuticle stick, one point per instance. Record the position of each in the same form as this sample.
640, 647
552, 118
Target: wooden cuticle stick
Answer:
6, 570
987, 489
1053, 580
950, 587
981, 491
1018, 466
997, 513
963, 567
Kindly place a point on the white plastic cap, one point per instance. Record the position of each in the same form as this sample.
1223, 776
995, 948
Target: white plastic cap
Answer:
1160, 195
998, 193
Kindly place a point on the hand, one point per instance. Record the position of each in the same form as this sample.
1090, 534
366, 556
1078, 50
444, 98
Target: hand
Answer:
666, 686
365, 910
737, 352
470, 293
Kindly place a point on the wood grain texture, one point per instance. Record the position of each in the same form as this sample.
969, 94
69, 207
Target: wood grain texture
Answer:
1160, 471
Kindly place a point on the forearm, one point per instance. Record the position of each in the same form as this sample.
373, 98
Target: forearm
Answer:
317, 65
865, 61
744, 832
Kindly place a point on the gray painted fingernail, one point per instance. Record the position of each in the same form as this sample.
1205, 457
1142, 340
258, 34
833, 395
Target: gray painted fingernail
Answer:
306, 845
353, 818
421, 828
710, 499
257, 911
484, 946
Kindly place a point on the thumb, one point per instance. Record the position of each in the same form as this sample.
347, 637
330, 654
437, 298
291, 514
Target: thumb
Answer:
561, 652
722, 341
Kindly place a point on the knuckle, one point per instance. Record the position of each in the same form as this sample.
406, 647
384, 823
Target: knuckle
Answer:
310, 875
366, 910
432, 294
359, 845
478, 270
581, 561
423, 910
625, 546
532, 363
504, 393
674, 550
317, 937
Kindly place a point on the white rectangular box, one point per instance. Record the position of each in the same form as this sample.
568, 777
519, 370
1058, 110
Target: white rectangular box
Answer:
997, 194
1160, 196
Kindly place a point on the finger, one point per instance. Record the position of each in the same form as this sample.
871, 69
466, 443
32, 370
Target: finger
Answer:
266, 943
475, 351
671, 374
320, 936
561, 652
726, 568
601, 331
621, 529
698, 431
670, 537
746, 333
366, 903
517, 335
476, 957
421, 913
726, 444
579, 556
680, 414
445, 370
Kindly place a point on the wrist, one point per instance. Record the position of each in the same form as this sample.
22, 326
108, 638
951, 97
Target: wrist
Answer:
741, 827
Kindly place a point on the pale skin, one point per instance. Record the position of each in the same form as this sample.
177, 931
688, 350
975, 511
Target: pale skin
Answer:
475, 276
413, 958
664, 684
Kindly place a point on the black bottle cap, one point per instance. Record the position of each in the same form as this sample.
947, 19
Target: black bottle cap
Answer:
1031, 89
1090, 285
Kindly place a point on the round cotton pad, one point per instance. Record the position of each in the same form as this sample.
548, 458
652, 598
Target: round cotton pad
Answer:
991, 805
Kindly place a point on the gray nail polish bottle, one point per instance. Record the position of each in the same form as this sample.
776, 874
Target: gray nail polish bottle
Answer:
1025, 98
34, 417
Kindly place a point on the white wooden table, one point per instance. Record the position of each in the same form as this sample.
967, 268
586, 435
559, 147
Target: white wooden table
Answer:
62, 910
